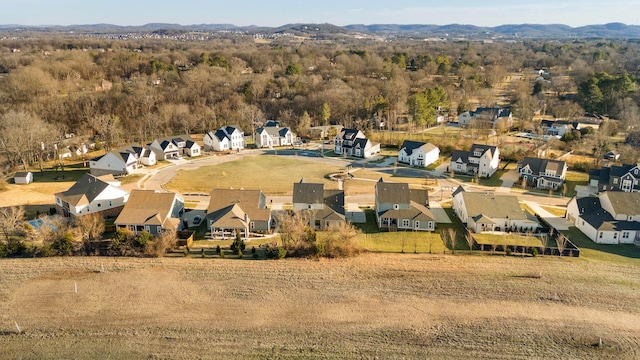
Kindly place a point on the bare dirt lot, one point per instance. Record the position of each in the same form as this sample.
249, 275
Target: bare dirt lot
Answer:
374, 306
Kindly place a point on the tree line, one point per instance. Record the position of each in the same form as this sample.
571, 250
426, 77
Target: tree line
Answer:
124, 91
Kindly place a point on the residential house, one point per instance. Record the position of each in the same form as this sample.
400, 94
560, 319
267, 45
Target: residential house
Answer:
233, 211
23, 177
492, 116
323, 207
191, 149
613, 217
92, 194
151, 211
270, 136
117, 163
416, 153
484, 212
225, 138
353, 142
144, 155
558, 127
398, 207
616, 178
172, 147
480, 160
542, 173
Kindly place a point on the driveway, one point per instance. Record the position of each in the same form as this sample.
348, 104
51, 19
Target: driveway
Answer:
508, 179
557, 222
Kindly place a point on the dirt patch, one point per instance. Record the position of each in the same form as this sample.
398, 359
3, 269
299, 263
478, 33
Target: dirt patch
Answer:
377, 305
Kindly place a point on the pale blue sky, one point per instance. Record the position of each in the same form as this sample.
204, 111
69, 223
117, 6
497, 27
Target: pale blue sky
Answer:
280, 12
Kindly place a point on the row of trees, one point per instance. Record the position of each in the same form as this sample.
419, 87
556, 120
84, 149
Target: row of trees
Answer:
136, 90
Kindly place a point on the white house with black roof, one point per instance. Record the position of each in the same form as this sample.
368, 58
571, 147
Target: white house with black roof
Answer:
416, 153
613, 217
480, 160
172, 147
542, 173
490, 115
226, 138
270, 136
353, 142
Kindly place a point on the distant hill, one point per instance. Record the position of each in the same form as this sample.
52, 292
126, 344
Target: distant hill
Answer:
551, 31
611, 30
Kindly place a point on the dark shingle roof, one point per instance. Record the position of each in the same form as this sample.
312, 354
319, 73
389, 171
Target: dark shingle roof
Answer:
392, 193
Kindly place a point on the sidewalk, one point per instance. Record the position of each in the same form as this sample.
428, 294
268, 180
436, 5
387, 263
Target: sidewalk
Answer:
558, 223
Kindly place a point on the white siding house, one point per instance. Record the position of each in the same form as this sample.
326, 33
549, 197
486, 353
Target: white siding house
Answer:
417, 153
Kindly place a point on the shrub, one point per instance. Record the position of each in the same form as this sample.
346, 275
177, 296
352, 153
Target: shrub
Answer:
508, 251
255, 256
276, 252
62, 244
142, 239
582, 166
218, 249
15, 247
534, 251
253, 249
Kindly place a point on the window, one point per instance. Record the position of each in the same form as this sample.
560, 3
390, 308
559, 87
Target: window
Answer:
625, 235
600, 235
309, 206
615, 236
396, 206
252, 225
99, 205
416, 224
405, 222
615, 180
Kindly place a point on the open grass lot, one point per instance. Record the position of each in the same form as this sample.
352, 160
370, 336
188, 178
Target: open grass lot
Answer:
373, 306
275, 175
272, 174
41, 190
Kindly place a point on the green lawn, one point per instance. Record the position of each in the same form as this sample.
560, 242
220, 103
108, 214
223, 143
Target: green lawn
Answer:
622, 254
372, 239
272, 174
130, 179
507, 239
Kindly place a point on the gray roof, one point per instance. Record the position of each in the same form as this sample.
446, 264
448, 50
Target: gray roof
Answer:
538, 165
460, 155
493, 206
592, 212
308, 193
624, 202
392, 193
482, 149
84, 191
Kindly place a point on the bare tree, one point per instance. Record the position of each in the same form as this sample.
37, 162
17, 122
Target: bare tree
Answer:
470, 240
449, 238
11, 220
561, 243
91, 226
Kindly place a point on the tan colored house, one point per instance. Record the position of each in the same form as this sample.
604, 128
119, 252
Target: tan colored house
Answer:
398, 207
150, 211
322, 206
237, 210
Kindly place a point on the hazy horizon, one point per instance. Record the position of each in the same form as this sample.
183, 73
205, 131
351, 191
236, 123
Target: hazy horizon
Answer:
281, 12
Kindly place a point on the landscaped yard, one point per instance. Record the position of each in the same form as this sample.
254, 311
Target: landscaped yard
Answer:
626, 254
507, 239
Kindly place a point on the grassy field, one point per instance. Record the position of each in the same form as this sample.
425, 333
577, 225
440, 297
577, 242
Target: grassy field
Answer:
625, 254
384, 306
275, 175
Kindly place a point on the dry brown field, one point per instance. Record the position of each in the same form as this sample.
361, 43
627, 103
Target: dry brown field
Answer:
374, 306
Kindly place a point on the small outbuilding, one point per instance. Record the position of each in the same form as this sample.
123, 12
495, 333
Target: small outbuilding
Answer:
23, 177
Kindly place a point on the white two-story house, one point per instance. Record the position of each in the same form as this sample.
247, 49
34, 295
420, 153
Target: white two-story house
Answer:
416, 153
353, 142
480, 160
225, 138
92, 194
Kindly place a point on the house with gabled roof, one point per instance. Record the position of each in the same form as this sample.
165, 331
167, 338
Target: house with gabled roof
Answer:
490, 115
558, 127
171, 147
92, 194
323, 207
119, 162
542, 173
613, 217
417, 153
480, 160
23, 177
399, 207
488, 212
353, 142
226, 138
616, 178
151, 211
233, 211
270, 136
144, 155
